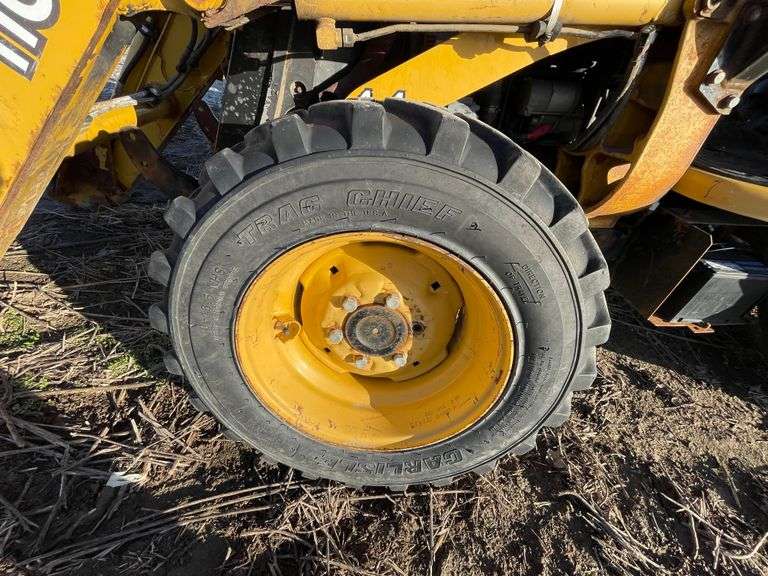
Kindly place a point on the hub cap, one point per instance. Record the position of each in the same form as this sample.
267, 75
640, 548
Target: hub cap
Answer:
376, 330
374, 341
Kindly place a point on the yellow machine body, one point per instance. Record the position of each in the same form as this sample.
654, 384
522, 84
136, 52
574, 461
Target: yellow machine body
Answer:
56, 57
51, 78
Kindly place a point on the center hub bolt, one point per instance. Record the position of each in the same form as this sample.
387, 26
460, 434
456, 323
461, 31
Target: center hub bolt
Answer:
400, 359
361, 362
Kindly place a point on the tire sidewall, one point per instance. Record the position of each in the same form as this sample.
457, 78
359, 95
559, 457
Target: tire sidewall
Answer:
340, 192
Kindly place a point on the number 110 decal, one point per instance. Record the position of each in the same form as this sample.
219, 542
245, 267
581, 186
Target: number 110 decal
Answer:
21, 43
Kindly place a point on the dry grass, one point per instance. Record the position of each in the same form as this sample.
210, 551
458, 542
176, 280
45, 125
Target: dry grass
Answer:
662, 469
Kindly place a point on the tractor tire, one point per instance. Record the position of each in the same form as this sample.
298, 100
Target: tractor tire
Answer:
412, 182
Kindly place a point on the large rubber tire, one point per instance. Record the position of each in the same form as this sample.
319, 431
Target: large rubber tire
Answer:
461, 185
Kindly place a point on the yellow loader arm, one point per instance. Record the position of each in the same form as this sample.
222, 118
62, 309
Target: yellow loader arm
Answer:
56, 56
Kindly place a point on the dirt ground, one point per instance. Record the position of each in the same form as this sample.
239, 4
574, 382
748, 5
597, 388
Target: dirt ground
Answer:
663, 468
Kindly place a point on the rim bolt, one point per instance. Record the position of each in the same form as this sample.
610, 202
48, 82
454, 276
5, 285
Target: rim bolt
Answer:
400, 359
361, 362
729, 102
716, 76
335, 336
350, 303
392, 301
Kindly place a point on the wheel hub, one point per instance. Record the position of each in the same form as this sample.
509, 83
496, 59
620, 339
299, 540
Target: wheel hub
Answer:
376, 330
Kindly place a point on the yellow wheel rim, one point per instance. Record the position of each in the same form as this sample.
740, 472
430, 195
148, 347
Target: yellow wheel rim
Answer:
374, 341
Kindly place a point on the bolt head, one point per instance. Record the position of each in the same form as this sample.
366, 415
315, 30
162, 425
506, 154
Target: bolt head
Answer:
350, 303
335, 336
361, 362
716, 76
729, 102
400, 359
392, 301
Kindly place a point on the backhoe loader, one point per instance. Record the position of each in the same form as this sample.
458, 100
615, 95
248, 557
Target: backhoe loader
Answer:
392, 270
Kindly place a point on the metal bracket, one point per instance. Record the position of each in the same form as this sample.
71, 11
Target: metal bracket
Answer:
742, 60
661, 252
154, 167
548, 27
714, 9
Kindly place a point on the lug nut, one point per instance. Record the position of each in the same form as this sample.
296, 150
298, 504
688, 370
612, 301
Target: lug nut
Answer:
350, 304
392, 301
335, 336
400, 359
361, 362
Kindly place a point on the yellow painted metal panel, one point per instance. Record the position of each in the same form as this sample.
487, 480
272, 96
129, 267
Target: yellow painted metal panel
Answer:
157, 69
182, 6
737, 196
584, 12
41, 111
53, 67
461, 66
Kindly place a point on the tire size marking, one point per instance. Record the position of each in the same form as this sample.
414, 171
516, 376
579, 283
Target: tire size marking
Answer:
21, 43
216, 282
405, 467
395, 199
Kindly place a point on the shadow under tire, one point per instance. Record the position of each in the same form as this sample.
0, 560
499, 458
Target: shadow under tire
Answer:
402, 170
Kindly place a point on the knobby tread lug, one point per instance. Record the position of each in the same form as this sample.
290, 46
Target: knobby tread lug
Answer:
158, 318
521, 173
254, 161
225, 170
442, 136
181, 215
451, 141
597, 335
539, 200
587, 372
291, 138
503, 151
333, 115
205, 194
260, 139
159, 268
172, 364
594, 283
369, 127
570, 226
406, 136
